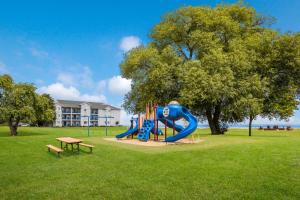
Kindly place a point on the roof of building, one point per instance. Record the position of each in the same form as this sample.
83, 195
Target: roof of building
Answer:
99, 105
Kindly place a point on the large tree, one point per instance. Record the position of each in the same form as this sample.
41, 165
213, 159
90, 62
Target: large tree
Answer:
20, 103
224, 63
44, 109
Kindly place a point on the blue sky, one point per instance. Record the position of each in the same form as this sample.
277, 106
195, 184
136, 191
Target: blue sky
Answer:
72, 49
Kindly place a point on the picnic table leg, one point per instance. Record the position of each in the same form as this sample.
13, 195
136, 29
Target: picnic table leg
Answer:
61, 144
78, 147
72, 147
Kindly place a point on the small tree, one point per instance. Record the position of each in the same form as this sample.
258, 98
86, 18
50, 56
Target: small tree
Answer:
19, 102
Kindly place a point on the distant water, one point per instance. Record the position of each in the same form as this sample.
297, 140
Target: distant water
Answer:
254, 125
241, 125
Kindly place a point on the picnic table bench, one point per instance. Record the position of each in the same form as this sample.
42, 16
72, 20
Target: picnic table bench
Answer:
87, 145
55, 149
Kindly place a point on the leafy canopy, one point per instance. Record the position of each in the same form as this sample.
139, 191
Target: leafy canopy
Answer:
20, 103
224, 63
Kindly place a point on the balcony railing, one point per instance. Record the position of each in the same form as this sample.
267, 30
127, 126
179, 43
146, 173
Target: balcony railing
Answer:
66, 111
71, 110
76, 110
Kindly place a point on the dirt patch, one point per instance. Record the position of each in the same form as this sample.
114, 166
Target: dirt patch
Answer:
152, 143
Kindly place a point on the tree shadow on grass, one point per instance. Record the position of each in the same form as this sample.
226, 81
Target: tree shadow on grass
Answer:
54, 154
68, 153
86, 151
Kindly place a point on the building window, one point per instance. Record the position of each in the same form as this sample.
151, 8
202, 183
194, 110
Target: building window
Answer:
94, 111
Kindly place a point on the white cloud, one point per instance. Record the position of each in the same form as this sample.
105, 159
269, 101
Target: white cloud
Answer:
38, 53
129, 42
92, 98
260, 120
125, 118
101, 85
118, 85
265, 121
85, 76
39, 81
59, 91
80, 75
66, 78
294, 120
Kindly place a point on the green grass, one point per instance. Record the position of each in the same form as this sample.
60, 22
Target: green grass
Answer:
231, 166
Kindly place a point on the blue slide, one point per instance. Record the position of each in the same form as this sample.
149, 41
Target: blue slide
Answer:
170, 124
166, 121
131, 130
176, 112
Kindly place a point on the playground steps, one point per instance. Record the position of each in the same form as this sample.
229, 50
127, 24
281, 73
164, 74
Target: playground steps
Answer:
145, 130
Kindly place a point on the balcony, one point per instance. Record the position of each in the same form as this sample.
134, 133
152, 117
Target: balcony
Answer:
94, 118
76, 117
76, 110
75, 123
94, 112
66, 116
66, 110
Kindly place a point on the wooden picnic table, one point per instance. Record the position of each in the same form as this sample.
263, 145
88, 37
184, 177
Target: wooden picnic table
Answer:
69, 140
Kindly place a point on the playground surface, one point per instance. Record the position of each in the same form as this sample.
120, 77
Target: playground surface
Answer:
151, 143
231, 166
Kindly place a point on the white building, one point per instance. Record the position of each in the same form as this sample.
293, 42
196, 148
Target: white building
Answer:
81, 113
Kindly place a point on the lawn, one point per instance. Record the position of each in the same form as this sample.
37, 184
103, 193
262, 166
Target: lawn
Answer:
231, 166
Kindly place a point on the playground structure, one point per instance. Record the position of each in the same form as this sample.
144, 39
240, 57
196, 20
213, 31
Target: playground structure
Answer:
145, 124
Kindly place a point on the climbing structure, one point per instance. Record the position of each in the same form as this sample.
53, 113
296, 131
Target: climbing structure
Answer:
167, 115
144, 133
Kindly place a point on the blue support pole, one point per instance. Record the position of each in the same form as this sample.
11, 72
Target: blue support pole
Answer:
88, 126
105, 126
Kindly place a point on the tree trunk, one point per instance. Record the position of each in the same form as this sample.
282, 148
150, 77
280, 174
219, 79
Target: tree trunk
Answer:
210, 122
213, 120
13, 126
250, 125
216, 119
